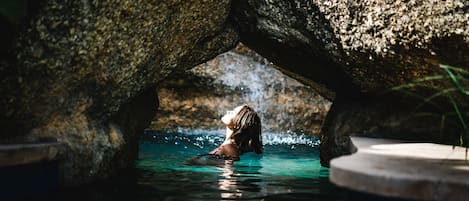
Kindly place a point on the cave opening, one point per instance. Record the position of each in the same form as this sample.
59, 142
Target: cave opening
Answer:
198, 97
187, 125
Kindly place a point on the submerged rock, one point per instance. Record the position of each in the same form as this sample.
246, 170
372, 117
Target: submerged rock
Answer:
84, 73
358, 50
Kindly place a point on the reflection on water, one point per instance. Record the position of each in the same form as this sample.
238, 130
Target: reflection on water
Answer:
229, 186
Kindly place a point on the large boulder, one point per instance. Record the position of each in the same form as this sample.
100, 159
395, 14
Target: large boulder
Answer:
84, 73
358, 49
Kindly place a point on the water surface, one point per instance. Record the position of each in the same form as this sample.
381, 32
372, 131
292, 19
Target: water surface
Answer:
288, 169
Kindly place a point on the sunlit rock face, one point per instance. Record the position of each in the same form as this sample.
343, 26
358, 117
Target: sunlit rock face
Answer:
84, 72
374, 44
197, 98
359, 49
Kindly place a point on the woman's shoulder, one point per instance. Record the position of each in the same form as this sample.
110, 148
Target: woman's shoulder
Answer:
227, 150
221, 155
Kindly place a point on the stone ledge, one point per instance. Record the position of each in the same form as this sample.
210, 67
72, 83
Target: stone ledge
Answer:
422, 171
19, 154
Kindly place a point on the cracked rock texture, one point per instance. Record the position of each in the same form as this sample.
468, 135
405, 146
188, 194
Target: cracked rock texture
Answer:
84, 73
358, 49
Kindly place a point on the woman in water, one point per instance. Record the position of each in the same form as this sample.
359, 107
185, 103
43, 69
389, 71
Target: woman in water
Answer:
243, 134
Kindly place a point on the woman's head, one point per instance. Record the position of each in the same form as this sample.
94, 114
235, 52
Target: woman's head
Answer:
246, 126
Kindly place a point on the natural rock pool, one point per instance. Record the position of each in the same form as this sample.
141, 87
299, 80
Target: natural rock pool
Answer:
289, 169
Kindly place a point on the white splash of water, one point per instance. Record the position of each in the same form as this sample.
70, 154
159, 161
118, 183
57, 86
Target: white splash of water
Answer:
256, 80
289, 139
201, 138
282, 102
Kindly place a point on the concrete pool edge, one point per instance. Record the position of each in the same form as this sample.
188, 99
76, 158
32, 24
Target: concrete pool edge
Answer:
422, 171
29, 170
27, 153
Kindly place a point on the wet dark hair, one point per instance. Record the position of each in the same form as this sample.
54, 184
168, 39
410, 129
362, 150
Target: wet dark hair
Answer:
247, 130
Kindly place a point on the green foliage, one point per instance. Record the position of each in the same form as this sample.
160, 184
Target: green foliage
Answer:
457, 76
455, 92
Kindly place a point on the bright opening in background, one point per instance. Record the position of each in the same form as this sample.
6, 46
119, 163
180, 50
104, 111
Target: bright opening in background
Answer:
197, 98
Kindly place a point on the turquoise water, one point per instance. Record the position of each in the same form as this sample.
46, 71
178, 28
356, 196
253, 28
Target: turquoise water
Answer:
288, 169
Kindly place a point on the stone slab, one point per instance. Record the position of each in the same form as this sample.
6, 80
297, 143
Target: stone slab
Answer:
19, 154
421, 171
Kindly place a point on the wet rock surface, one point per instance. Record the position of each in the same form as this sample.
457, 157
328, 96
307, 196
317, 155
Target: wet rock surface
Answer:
76, 70
197, 98
358, 50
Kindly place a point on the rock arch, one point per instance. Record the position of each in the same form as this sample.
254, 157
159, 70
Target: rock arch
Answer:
71, 71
